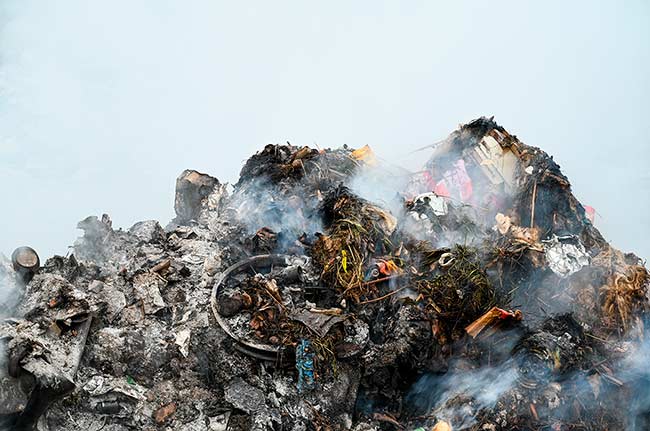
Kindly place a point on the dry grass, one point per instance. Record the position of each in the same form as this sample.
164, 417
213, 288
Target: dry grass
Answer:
624, 295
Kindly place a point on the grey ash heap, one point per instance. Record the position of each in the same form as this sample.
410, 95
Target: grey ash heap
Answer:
328, 290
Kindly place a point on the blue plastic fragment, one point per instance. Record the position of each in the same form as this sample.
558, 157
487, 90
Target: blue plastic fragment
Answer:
305, 365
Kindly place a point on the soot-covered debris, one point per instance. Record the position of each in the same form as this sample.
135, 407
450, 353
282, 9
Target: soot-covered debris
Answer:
475, 295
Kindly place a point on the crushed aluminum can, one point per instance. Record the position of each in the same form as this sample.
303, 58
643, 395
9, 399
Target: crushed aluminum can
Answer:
565, 255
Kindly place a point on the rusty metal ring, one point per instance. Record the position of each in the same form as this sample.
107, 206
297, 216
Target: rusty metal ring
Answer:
254, 263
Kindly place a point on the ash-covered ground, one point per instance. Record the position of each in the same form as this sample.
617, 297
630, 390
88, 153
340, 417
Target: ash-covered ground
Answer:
330, 290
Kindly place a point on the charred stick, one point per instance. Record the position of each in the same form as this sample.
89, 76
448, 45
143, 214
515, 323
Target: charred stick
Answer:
382, 417
532, 205
383, 297
161, 266
379, 280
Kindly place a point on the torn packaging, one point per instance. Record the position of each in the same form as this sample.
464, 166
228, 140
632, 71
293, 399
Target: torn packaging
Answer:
319, 323
436, 205
499, 164
369, 325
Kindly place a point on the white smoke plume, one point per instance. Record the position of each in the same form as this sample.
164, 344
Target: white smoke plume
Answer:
445, 396
635, 373
9, 288
260, 204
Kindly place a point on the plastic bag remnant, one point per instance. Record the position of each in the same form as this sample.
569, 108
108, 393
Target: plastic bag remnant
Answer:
305, 365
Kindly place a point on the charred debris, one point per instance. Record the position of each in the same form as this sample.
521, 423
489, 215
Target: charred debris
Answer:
484, 300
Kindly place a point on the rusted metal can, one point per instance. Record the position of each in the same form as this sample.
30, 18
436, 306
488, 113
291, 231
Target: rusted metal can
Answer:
26, 262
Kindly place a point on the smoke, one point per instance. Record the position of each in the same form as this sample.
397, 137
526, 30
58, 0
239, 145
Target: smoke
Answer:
464, 215
9, 297
458, 396
290, 210
381, 184
635, 373
9, 288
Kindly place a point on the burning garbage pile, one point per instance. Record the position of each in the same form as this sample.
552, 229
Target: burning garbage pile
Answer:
476, 294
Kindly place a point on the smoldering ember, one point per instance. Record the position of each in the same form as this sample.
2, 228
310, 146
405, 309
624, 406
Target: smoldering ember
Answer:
330, 290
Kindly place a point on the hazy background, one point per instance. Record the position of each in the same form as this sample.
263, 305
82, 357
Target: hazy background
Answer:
103, 104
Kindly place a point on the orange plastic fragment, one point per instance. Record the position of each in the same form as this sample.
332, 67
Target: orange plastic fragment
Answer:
365, 154
490, 318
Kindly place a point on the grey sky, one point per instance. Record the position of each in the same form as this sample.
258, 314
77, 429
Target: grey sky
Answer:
103, 104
